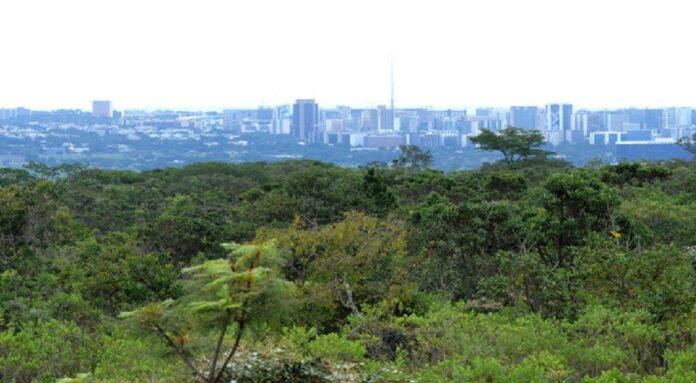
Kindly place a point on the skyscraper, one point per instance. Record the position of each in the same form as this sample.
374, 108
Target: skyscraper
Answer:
101, 108
524, 117
558, 117
305, 120
684, 117
386, 121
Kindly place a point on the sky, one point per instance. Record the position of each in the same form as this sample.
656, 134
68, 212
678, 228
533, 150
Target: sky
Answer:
215, 54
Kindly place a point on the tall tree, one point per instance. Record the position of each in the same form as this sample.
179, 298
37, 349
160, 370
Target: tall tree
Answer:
513, 143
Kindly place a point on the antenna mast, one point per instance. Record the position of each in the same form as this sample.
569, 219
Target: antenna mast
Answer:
393, 117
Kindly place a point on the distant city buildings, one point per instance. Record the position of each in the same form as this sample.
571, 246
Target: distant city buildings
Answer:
102, 108
524, 117
659, 150
305, 120
634, 133
381, 128
12, 113
558, 122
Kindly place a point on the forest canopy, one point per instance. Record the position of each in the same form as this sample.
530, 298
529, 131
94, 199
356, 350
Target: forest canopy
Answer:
527, 270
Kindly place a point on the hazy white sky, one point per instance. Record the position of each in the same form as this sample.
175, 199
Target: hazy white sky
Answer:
446, 53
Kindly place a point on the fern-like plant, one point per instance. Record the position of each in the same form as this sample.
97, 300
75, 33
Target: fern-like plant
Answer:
225, 298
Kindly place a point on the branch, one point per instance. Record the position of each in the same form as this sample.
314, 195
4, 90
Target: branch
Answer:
181, 353
349, 303
242, 323
213, 363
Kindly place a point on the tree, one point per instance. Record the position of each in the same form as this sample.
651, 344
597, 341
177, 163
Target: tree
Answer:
688, 143
53, 173
241, 292
577, 203
455, 244
360, 259
513, 143
381, 199
187, 225
413, 158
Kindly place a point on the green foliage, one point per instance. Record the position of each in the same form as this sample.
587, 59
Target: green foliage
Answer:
578, 203
129, 359
688, 143
505, 185
668, 220
187, 226
660, 280
244, 291
379, 194
53, 172
45, 351
634, 173
359, 260
335, 348
544, 368
10, 176
455, 242
118, 278
413, 158
513, 143
526, 270
602, 339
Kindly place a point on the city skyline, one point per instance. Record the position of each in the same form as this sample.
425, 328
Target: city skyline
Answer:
89, 107
141, 139
447, 54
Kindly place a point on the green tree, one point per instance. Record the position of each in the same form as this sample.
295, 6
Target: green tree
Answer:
54, 172
505, 185
513, 143
456, 243
9, 176
187, 225
358, 261
45, 351
115, 277
413, 158
688, 143
578, 203
380, 197
242, 292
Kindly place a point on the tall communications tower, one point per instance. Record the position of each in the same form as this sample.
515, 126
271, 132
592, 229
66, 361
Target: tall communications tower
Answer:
392, 117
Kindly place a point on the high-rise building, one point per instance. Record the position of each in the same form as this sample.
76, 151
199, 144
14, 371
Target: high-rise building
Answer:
559, 117
484, 112
678, 117
581, 121
370, 120
264, 114
684, 117
654, 119
616, 120
101, 108
386, 121
524, 117
305, 120
6, 114
670, 118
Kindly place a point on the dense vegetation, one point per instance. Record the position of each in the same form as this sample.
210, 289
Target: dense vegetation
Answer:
529, 270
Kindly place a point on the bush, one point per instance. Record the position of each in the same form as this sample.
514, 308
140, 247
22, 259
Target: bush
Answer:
335, 348
45, 351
